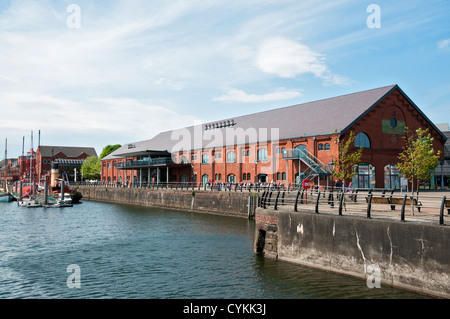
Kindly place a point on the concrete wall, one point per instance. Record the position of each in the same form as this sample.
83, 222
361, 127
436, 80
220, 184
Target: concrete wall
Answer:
409, 255
223, 203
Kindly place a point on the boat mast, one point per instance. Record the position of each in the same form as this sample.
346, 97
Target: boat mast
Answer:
6, 167
31, 165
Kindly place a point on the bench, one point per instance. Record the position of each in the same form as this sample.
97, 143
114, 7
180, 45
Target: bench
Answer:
398, 201
447, 205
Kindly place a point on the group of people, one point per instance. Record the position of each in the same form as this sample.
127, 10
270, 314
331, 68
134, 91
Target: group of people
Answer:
345, 188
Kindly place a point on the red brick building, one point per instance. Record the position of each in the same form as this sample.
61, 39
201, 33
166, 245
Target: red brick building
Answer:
67, 157
283, 145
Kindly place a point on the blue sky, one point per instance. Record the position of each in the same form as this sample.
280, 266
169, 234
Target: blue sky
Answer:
116, 71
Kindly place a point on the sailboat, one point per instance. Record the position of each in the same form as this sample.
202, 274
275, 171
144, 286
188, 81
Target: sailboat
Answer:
6, 196
31, 201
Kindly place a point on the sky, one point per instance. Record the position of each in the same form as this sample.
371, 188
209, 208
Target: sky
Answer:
94, 73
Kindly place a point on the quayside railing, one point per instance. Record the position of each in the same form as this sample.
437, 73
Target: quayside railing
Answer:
229, 186
371, 203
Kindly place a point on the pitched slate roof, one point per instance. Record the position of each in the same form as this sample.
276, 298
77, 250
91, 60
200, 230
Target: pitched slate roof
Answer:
69, 151
320, 117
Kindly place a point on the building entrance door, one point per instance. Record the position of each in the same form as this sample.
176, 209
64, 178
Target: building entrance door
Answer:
262, 178
205, 179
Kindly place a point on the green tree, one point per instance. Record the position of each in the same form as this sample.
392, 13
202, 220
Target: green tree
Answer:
348, 157
418, 157
108, 149
91, 168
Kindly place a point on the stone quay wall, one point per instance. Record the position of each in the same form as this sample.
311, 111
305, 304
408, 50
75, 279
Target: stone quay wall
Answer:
406, 255
233, 203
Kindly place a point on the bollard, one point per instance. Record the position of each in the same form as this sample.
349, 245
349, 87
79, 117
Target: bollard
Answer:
263, 196
331, 198
441, 214
369, 205
402, 216
296, 200
270, 196
276, 200
317, 203
341, 200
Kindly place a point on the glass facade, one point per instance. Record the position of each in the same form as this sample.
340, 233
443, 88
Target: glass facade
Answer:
365, 176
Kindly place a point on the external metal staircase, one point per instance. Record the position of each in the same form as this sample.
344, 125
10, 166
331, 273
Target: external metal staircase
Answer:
315, 166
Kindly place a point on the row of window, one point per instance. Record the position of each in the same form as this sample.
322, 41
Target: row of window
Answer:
231, 156
261, 154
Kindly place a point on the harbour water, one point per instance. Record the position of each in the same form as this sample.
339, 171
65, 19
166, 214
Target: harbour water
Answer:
127, 252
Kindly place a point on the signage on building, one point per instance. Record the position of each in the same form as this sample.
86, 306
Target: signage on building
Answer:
391, 127
394, 170
363, 169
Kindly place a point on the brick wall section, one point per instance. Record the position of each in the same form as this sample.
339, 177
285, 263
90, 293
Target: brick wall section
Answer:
265, 218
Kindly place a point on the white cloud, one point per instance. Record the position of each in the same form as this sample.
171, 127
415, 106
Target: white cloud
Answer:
234, 95
444, 44
96, 121
288, 59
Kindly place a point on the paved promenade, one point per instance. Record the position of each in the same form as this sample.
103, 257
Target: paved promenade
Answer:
429, 205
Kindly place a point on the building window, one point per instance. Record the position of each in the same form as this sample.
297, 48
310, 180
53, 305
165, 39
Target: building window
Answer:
205, 179
194, 157
362, 140
391, 177
244, 177
218, 155
245, 153
231, 178
393, 123
183, 160
327, 146
364, 177
301, 150
283, 176
283, 150
248, 176
320, 147
262, 154
278, 176
205, 159
220, 177
231, 157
